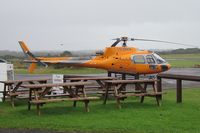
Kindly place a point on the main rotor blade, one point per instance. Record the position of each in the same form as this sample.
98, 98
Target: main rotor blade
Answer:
137, 39
116, 42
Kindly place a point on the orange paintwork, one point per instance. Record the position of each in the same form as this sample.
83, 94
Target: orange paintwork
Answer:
32, 67
113, 59
24, 46
118, 59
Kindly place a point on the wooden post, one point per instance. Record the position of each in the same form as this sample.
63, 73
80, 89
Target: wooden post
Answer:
178, 90
159, 86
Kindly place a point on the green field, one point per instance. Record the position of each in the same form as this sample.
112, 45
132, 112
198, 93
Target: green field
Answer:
182, 60
189, 56
133, 117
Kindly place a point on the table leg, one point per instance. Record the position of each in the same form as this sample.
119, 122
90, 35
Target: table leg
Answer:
30, 98
4, 93
76, 93
142, 99
16, 87
86, 106
158, 100
100, 83
106, 93
137, 76
143, 90
38, 109
116, 89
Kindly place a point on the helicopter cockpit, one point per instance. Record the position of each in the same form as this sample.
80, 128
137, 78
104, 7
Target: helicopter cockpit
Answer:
147, 59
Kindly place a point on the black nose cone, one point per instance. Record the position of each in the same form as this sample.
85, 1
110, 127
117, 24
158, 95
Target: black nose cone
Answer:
164, 67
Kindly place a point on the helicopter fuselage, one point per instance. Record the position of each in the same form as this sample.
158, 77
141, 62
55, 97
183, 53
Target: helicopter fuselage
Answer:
128, 60
113, 59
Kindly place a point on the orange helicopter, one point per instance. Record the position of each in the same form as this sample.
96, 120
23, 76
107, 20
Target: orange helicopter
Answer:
114, 59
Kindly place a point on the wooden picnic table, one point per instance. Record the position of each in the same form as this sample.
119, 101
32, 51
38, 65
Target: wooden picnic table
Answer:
121, 94
11, 87
41, 90
99, 80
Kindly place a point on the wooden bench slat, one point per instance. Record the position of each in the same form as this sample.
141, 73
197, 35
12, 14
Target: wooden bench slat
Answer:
18, 93
64, 99
142, 94
129, 81
155, 94
57, 85
103, 92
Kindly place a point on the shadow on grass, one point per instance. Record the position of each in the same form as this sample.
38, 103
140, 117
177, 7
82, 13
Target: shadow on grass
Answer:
66, 108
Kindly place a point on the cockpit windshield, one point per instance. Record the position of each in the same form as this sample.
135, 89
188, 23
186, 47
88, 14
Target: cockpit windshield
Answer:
159, 60
147, 59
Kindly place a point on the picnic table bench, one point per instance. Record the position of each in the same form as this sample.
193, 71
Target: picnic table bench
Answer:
40, 90
120, 94
12, 87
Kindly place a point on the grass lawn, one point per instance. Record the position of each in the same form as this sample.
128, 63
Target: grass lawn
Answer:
182, 60
133, 117
181, 56
183, 63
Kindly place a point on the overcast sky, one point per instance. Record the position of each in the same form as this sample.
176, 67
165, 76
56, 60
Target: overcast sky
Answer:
91, 24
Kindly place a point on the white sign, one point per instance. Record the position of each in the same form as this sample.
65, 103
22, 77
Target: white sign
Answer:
56, 79
10, 67
3, 77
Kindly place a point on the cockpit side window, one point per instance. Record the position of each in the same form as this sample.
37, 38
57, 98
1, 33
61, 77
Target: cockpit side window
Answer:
138, 59
159, 59
150, 59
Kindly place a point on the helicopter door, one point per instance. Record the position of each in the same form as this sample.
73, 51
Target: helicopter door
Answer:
151, 61
138, 59
139, 63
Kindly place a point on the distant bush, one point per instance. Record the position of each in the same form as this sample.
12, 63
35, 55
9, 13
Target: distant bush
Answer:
182, 51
